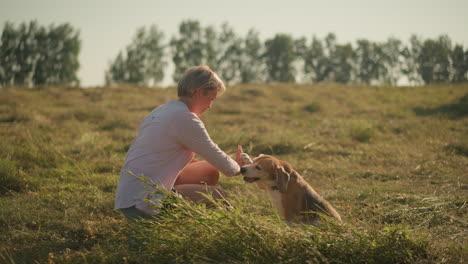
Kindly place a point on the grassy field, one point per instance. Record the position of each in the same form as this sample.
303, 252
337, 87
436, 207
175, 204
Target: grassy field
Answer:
392, 160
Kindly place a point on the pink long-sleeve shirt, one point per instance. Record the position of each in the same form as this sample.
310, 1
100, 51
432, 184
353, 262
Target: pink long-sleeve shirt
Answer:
167, 141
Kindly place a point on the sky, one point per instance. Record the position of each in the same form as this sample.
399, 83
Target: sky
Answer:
108, 26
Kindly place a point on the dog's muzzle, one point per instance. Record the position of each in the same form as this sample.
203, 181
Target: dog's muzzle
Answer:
251, 179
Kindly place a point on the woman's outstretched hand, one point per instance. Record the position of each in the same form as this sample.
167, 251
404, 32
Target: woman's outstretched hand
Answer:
238, 155
242, 158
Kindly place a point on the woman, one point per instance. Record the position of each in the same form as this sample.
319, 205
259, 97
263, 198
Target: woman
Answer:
167, 141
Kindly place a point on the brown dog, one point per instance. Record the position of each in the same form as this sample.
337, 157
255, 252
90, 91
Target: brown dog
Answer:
293, 197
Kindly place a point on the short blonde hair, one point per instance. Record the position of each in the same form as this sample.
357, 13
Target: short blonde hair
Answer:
199, 77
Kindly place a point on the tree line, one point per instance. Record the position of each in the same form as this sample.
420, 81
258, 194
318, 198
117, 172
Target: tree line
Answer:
31, 54
35, 55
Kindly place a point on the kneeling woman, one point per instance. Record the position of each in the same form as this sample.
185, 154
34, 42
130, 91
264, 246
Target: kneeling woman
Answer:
166, 143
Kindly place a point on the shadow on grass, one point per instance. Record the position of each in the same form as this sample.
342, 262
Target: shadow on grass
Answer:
456, 110
44, 252
457, 149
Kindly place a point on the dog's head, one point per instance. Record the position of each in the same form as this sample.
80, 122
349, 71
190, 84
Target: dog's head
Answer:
268, 170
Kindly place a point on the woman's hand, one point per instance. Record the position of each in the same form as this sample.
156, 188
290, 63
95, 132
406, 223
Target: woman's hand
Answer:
242, 158
238, 155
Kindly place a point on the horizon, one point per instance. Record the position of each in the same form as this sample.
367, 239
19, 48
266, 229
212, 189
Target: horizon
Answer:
104, 32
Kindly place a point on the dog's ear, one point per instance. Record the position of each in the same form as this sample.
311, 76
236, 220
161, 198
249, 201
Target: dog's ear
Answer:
282, 179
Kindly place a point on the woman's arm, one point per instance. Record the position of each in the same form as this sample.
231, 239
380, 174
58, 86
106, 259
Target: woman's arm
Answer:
189, 131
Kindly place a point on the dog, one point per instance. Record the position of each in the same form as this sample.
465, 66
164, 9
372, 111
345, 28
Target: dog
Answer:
295, 200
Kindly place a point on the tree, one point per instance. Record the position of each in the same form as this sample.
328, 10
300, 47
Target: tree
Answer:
60, 62
327, 63
143, 62
316, 63
342, 61
459, 64
466, 64
211, 47
252, 67
188, 48
411, 54
339, 62
367, 61
34, 55
279, 58
300, 51
230, 51
392, 61
8, 55
433, 61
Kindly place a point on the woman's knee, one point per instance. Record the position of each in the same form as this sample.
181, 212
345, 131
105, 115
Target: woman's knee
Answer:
199, 173
212, 176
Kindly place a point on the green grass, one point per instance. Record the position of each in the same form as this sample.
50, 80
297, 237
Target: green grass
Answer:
392, 160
